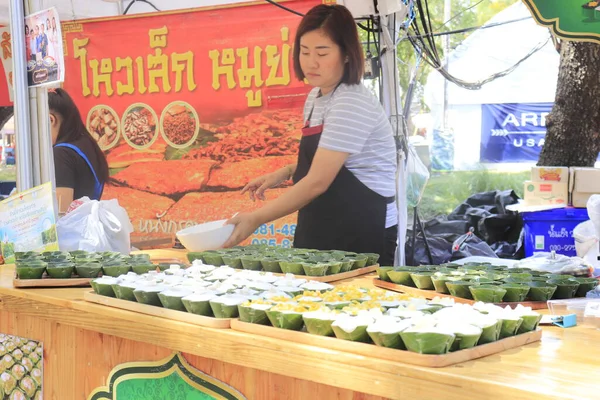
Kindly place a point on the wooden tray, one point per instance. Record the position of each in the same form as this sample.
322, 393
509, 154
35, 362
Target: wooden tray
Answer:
373, 351
181, 316
338, 277
47, 282
430, 294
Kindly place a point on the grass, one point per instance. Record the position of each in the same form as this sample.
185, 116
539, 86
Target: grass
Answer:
445, 191
8, 173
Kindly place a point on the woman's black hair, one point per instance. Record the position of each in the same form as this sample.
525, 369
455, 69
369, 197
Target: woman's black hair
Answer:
73, 128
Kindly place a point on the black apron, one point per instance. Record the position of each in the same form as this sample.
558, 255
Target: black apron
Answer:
348, 216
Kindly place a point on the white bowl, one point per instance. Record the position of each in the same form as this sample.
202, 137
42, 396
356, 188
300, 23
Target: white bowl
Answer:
208, 236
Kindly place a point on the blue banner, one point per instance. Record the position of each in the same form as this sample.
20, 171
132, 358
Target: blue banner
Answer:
512, 132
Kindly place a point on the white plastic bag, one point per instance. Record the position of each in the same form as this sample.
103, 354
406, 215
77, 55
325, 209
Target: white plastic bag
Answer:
417, 177
95, 226
555, 264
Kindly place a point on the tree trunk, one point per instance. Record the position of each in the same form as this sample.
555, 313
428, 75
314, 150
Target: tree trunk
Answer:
573, 126
5, 114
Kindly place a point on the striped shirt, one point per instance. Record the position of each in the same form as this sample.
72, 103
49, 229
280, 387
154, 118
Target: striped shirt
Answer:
355, 123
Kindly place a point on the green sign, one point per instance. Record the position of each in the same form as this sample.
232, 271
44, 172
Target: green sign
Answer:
168, 379
568, 19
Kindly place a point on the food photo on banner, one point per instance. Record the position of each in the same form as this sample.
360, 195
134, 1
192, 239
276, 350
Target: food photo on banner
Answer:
44, 48
513, 132
186, 124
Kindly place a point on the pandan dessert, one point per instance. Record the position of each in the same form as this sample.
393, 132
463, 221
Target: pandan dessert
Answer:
515, 292
115, 270
315, 269
227, 306
142, 268
427, 340
89, 270
60, 272
422, 280
530, 318
103, 286
315, 286
510, 324
171, 298
466, 335
124, 290
199, 303
347, 263
401, 276
251, 263
490, 328
353, 327
372, 258
287, 316
585, 285
31, 271
487, 293
255, 312
385, 332
148, 294
335, 267
319, 322
565, 288
271, 265
360, 261
294, 266
439, 283
212, 258
460, 289
541, 291
382, 273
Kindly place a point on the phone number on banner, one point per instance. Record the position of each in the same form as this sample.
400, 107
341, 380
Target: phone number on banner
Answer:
270, 230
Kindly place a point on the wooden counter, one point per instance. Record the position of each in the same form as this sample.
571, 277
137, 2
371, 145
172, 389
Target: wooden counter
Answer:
84, 341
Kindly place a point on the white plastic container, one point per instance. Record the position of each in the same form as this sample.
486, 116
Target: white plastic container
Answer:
208, 236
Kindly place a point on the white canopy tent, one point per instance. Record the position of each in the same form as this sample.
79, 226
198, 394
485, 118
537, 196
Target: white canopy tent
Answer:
31, 111
483, 53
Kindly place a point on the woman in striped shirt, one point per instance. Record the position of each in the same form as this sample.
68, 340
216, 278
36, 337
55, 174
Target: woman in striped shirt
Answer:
344, 180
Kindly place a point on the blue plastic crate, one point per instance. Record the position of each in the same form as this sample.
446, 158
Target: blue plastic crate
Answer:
552, 230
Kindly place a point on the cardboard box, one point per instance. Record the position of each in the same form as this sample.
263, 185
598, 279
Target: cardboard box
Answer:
546, 193
553, 174
584, 182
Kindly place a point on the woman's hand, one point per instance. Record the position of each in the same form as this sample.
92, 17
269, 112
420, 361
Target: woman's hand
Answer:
245, 225
256, 188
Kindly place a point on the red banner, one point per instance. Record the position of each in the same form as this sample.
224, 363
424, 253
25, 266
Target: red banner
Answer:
189, 106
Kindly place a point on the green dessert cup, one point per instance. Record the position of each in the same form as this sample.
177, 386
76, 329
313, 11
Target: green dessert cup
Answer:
487, 293
541, 291
460, 289
422, 280
515, 292
565, 289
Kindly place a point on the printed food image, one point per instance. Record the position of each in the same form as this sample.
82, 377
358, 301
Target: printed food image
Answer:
103, 124
269, 133
179, 124
139, 205
210, 206
166, 178
21, 365
139, 126
237, 175
123, 155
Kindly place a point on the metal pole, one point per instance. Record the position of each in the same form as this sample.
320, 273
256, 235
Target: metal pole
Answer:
447, 16
21, 97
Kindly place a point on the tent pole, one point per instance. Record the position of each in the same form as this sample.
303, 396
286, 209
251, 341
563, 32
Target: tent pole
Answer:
23, 152
447, 16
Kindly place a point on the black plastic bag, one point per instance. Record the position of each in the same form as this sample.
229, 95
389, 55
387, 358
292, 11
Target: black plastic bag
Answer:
440, 246
469, 245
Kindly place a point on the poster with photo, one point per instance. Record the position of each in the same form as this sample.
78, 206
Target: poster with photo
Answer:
44, 49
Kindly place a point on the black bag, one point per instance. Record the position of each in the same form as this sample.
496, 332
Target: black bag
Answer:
469, 245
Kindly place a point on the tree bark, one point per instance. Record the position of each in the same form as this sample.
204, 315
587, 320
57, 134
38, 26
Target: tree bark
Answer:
573, 126
5, 114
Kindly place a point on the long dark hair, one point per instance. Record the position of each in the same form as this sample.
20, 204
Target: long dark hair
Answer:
73, 128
